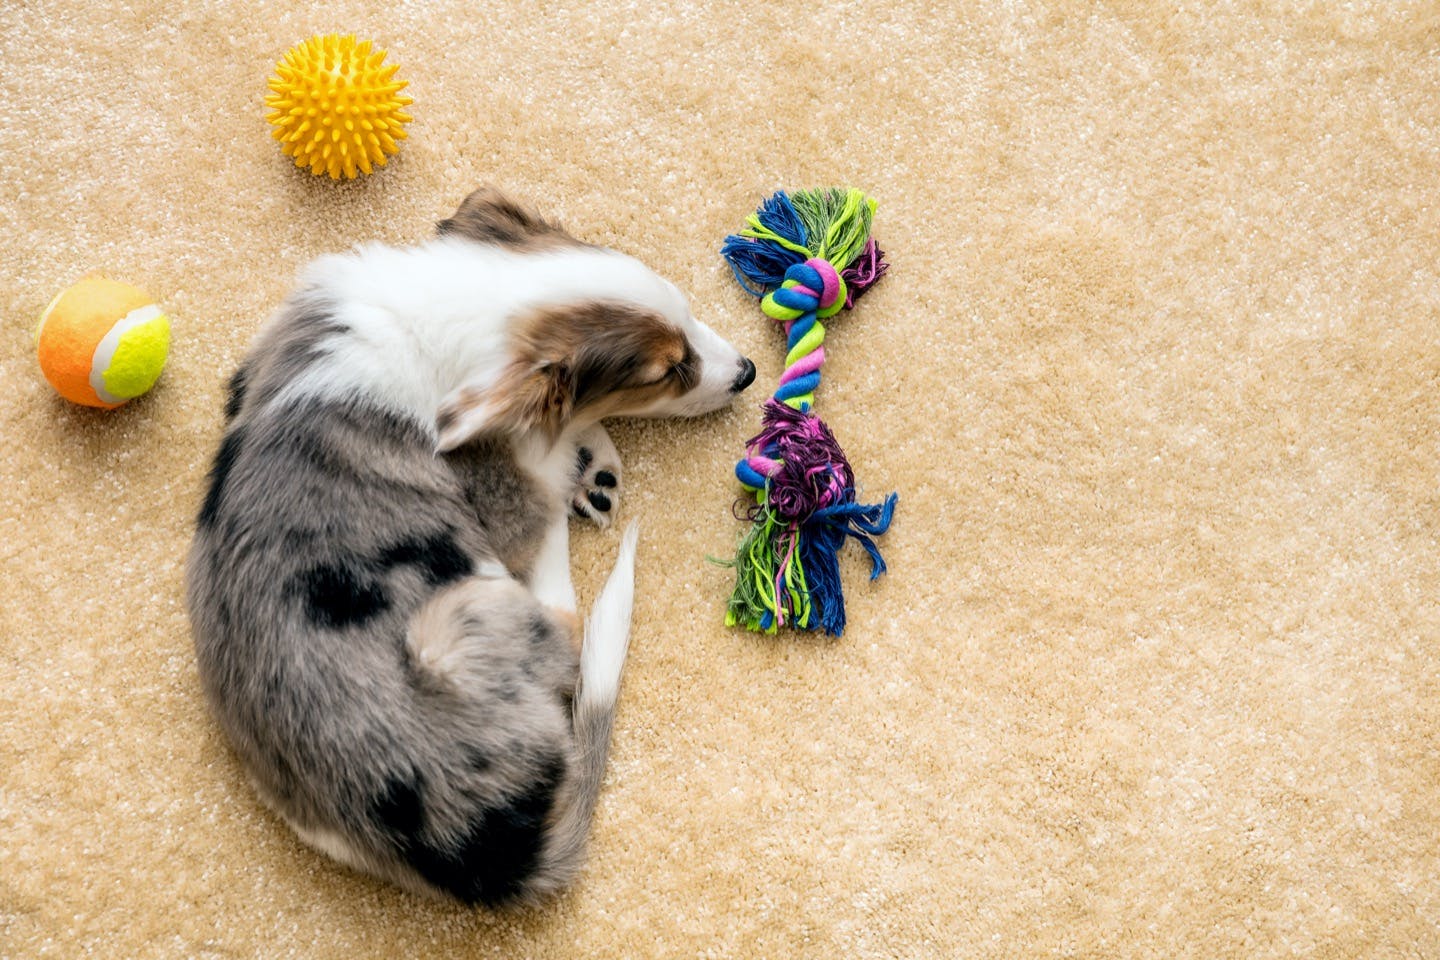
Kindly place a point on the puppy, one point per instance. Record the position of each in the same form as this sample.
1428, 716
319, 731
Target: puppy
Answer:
379, 583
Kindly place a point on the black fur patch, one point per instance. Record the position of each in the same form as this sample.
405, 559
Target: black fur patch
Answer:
220, 475
490, 862
235, 399
337, 597
439, 558
400, 809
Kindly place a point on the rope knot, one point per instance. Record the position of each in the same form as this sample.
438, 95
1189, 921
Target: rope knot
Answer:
806, 469
813, 286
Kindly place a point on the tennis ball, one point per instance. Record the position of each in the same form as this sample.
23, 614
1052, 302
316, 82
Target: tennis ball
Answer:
102, 342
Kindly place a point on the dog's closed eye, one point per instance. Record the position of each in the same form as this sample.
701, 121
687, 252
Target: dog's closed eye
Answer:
686, 372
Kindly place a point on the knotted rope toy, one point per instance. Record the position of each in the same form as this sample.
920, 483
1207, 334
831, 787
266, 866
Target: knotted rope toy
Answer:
807, 255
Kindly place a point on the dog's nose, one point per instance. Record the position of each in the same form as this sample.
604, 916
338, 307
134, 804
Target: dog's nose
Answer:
745, 377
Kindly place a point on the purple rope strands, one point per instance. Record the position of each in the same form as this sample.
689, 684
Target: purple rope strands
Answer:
861, 275
808, 256
812, 470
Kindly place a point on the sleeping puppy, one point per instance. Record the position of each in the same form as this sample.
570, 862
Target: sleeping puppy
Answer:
379, 584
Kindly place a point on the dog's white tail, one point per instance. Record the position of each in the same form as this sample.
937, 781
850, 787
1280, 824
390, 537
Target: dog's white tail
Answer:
607, 631
602, 659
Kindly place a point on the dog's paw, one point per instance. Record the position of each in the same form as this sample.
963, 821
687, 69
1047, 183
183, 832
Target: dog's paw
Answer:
596, 495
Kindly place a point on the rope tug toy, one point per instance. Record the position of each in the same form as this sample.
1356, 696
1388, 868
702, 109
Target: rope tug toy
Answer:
807, 255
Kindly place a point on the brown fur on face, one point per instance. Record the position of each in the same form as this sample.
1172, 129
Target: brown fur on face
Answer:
595, 358
488, 216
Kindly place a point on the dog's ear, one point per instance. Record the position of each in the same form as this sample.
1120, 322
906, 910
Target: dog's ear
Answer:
529, 396
488, 216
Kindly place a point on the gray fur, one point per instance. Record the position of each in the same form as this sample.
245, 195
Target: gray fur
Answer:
284, 350
507, 501
592, 749
327, 528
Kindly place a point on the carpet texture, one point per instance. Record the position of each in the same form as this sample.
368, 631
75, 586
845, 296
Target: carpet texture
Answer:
1155, 375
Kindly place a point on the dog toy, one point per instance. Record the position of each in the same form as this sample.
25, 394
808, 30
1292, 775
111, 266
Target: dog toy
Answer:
807, 255
335, 108
101, 342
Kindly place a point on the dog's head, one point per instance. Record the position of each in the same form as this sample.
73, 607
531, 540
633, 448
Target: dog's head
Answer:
597, 335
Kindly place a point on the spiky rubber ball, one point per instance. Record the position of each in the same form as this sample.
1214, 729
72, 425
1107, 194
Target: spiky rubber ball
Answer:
336, 107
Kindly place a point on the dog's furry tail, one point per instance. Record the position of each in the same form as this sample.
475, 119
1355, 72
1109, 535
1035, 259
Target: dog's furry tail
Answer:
602, 658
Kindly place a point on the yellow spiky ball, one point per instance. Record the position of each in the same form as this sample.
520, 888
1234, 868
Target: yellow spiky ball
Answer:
336, 108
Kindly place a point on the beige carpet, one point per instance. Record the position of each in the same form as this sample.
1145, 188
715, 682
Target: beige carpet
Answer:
1155, 375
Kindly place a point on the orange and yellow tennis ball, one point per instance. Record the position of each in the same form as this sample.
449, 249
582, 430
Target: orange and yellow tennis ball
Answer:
336, 108
102, 342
